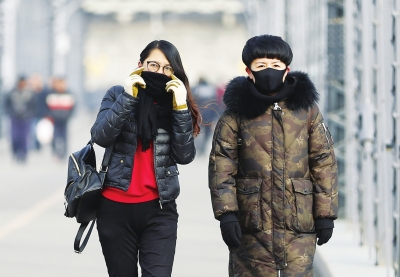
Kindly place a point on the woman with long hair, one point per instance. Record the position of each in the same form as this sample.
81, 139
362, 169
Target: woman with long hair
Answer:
149, 124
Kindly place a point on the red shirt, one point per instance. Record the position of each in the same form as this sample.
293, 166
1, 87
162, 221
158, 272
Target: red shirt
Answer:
143, 186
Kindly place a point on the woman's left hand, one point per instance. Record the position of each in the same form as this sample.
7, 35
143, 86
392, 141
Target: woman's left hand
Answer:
179, 91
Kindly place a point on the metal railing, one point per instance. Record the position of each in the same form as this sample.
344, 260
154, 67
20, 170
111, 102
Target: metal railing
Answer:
372, 152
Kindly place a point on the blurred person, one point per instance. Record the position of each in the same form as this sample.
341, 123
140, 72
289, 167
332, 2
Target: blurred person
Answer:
20, 107
41, 108
60, 103
272, 169
206, 99
220, 94
150, 125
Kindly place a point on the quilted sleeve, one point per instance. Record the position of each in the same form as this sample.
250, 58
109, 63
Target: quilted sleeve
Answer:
323, 168
222, 168
183, 150
115, 109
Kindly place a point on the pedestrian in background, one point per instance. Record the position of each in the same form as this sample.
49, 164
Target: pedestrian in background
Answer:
60, 103
205, 95
149, 125
20, 107
220, 94
272, 169
41, 109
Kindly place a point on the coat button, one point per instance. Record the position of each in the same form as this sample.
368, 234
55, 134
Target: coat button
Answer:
305, 190
168, 172
122, 161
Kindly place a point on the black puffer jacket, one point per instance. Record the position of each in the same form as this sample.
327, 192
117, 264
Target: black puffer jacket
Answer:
116, 123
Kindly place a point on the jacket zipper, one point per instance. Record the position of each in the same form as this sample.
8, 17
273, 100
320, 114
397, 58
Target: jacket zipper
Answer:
276, 107
154, 163
279, 118
326, 133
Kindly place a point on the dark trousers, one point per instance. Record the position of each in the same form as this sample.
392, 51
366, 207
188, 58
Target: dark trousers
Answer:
127, 231
59, 143
20, 131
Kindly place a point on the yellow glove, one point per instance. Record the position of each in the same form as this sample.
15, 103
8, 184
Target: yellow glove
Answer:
133, 81
179, 93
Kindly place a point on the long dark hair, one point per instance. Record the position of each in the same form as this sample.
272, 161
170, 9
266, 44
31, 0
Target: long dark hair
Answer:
172, 55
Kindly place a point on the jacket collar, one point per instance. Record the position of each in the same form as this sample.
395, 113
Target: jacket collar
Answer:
240, 101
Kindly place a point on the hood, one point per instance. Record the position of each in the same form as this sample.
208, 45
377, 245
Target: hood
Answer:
240, 101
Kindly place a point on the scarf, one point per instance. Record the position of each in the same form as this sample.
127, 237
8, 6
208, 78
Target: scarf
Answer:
155, 107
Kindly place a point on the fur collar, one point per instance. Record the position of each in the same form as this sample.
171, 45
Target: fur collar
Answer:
240, 101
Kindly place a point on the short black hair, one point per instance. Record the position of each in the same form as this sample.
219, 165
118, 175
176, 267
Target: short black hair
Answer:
267, 46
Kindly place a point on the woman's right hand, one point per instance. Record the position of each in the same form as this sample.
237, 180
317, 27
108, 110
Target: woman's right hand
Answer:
133, 81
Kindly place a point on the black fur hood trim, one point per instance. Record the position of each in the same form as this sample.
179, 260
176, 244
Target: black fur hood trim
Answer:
240, 101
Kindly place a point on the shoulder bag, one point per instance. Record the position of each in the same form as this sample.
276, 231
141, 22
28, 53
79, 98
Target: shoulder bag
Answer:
83, 191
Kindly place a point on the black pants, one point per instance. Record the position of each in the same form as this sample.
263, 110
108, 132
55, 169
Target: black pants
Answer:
127, 231
60, 143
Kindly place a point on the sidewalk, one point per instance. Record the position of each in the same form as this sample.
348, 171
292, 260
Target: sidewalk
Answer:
342, 256
200, 248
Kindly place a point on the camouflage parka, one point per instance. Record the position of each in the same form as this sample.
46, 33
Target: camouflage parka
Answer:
273, 164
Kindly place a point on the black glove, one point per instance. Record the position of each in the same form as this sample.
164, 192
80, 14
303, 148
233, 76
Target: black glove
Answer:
324, 230
230, 229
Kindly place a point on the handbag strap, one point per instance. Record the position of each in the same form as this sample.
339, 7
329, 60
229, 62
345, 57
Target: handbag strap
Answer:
106, 158
77, 247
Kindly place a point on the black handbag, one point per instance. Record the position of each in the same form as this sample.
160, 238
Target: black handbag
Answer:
83, 191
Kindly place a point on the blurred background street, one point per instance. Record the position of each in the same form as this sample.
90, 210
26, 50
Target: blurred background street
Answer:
59, 57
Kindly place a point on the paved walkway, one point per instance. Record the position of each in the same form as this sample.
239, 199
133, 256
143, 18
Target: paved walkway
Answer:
342, 256
37, 240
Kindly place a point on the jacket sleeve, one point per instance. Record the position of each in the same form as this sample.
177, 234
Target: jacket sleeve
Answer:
222, 167
115, 109
323, 167
183, 150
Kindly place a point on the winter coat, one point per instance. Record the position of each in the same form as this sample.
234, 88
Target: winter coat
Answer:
41, 109
20, 104
116, 124
273, 165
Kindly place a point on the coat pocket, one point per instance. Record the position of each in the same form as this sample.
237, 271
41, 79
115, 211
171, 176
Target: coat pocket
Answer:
115, 168
172, 181
303, 220
249, 202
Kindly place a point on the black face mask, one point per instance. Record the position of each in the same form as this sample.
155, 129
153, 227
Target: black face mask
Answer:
155, 85
268, 80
